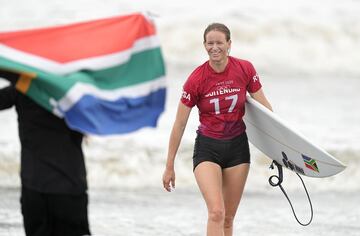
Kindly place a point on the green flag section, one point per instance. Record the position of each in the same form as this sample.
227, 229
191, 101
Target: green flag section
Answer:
103, 76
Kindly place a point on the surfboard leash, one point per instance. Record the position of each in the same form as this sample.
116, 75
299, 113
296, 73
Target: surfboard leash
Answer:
279, 179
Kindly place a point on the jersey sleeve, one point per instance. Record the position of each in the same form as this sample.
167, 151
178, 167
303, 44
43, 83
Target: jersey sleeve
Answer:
189, 95
253, 79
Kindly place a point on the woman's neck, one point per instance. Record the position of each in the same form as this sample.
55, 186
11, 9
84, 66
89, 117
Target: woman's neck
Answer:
219, 66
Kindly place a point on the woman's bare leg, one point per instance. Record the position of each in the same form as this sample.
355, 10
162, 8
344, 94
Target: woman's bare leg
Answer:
234, 179
209, 179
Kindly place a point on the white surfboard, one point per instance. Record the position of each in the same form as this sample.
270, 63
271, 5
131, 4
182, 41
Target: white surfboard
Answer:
278, 141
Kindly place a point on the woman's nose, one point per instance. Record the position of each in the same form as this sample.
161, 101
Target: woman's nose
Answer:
215, 46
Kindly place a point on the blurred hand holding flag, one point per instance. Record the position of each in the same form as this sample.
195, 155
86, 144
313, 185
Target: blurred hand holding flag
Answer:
103, 76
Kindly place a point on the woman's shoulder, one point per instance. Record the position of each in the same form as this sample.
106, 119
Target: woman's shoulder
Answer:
240, 61
199, 72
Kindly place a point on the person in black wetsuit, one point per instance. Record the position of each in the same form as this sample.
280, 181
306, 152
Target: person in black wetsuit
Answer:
54, 198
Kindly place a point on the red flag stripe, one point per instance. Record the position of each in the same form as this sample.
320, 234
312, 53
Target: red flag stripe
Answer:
82, 40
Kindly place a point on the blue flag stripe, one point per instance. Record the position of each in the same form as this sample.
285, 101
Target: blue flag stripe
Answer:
97, 116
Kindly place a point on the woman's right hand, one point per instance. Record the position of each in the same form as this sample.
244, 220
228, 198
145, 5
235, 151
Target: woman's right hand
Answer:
177, 132
169, 179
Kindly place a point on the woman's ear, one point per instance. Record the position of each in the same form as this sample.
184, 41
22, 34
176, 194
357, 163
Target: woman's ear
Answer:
229, 49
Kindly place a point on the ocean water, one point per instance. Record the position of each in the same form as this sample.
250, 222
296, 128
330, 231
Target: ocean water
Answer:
307, 56
124, 212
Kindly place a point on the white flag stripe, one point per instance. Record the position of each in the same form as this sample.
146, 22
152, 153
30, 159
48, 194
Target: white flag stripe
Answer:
92, 63
81, 89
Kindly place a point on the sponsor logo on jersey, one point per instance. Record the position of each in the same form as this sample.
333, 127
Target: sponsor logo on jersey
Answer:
222, 91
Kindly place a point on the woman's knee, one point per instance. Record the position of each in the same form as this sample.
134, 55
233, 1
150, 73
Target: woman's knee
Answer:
228, 222
217, 215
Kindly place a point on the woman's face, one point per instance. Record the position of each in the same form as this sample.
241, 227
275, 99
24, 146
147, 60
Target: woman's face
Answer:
216, 46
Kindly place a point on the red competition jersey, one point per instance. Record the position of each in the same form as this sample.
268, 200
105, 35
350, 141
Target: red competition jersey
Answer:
220, 97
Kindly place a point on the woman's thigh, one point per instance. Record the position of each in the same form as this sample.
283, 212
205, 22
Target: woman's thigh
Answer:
234, 179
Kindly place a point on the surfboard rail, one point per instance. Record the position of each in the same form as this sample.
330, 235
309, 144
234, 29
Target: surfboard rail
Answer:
277, 140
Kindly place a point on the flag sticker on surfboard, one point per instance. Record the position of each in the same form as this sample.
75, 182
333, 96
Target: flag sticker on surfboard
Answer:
310, 163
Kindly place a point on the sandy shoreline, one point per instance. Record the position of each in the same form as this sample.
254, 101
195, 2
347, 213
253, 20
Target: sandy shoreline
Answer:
152, 212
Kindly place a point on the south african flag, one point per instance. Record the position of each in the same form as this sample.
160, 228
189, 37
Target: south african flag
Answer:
103, 76
310, 163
